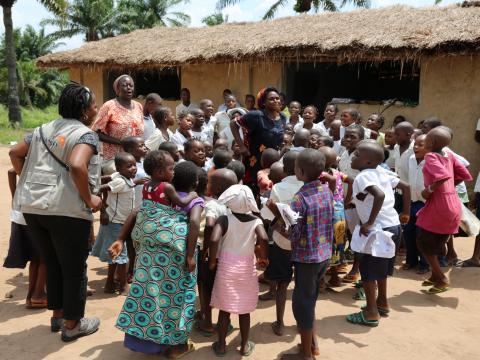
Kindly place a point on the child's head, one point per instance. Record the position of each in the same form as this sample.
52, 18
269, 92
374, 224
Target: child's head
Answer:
437, 139
163, 117
152, 101
276, 172
309, 165
208, 149
185, 176
416, 133
330, 157
249, 102
185, 96
330, 112
221, 144
429, 124
350, 116
269, 156
335, 126
236, 149
230, 101
238, 168
236, 113
221, 180
313, 141
398, 119
221, 158
301, 138
239, 199
310, 114
126, 165
375, 122
289, 163
390, 138
403, 133
353, 135
159, 165
206, 105
419, 148
194, 151
135, 145
368, 155
185, 122
288, 129
294, 108
171, 148
198, 119
325, 141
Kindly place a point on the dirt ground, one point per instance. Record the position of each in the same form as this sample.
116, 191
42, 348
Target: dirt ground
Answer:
419, 327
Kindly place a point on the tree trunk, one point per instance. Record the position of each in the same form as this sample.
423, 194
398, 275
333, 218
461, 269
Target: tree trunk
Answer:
14, 111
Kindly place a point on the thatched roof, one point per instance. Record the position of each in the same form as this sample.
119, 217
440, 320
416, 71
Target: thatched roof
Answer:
396, 32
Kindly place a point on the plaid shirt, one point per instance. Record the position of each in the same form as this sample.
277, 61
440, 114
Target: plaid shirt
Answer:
312, 237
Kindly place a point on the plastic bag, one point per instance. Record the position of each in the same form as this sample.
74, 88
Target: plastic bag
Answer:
469, 222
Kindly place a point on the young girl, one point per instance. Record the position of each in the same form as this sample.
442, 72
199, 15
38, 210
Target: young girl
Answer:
294, 108
163, 118
235, 290
194, 151
329, 115
375, 122
441, 172
310, 114
183, 133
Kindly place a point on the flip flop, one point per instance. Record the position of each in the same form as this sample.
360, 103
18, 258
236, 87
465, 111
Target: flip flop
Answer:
37, 304
360, 294
437, 290
469, 263
359, 319
384, 312
190, 348
427, 282
216, 351
249, 350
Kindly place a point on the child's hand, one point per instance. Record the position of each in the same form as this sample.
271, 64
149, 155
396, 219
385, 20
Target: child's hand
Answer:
192, 194
212, 264
104, 219
190, 264
115, 249
262, 263
404, 218
365, 229
141, 181
426, 194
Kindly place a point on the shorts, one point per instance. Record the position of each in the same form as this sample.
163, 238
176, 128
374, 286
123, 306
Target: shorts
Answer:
374, 268
305, 293
279, 264
430, 243
22, 248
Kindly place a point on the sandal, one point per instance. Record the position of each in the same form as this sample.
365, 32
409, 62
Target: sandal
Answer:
469, 263
249, 350
359, 319
37, 304
216, 351
428, 282
383, 312
350, 278
360, 295
437, 290
277, 329
190, 348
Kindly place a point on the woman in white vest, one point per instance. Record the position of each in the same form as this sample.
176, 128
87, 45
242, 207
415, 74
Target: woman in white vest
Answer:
59, 172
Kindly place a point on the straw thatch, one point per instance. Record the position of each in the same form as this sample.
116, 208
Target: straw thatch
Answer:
396, 32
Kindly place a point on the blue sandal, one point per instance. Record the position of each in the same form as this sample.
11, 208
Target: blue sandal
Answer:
359, 319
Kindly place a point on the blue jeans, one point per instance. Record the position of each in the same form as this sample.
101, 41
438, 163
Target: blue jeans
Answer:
414, 257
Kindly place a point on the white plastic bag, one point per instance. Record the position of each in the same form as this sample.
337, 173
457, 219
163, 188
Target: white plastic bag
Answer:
469, 222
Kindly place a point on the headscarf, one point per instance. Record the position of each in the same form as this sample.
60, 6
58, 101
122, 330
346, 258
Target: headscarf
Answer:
239, 199
262, 95
117, 80
238, 110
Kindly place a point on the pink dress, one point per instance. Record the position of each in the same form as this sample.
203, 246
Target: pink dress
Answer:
442, 212
236, 286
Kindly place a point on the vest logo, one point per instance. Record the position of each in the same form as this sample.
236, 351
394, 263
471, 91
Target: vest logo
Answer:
61, 140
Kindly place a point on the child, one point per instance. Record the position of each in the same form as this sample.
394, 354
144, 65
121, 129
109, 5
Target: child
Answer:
250, 102
442, 170
374, 199
198, 132
313, 141
294, 108
163, 118
119, 203
415, 179
206, 105
208, 150
221, 159
269, 156
220, 181
390, 142
326, 141
287, 142
220, 144
237, 154
235, 290
404, 149
172, 149
195, 151
279, 270
375, 122
310, 114
239, 169
335, 127
22, 249
183, 133
349, 117
301, 140
329, 115
311, 240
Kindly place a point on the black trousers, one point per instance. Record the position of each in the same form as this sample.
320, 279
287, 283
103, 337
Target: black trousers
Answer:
64, 246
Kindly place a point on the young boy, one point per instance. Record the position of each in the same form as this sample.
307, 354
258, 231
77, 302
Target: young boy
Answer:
335, 134
295, 107
301, 140
206, 105
183, 133
198, 131
374, 199
279, 270
311, 240
404, 149
375, 122
152, 101
172, 149
269, 156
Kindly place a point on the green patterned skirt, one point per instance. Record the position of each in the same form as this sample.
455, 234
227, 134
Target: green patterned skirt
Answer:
160, 305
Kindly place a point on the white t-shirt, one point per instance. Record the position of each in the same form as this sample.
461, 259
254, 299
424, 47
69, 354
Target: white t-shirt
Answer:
156, 139
338, 148
223, 121
300, 120
138, 188
315, 126
121, 198
209, 128
200, 135
214, 209
387, 216
415, 178
178, 139
149, 127
461, 188
345, 165
401, 161
181, 108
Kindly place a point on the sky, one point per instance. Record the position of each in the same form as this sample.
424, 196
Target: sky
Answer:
31, 12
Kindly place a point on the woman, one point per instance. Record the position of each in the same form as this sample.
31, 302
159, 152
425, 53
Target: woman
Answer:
117, 119
57, 201
263, 129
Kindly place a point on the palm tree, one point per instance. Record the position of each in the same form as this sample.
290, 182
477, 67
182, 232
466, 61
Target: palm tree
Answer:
144, 14
302, 6
14, 112
215, 19
95, 19
34, 44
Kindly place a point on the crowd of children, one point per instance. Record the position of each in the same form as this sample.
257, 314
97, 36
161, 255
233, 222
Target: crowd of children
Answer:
177, 219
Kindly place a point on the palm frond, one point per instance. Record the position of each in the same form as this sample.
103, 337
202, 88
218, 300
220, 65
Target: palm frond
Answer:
274, 8
222, 4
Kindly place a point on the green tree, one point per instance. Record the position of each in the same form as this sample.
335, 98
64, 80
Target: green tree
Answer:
144, 14
215, 19
302, 6
94, 19
14, 111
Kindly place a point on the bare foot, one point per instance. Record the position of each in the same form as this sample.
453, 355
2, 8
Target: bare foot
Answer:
278, 328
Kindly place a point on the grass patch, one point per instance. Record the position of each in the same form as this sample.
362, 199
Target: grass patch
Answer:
32, 118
